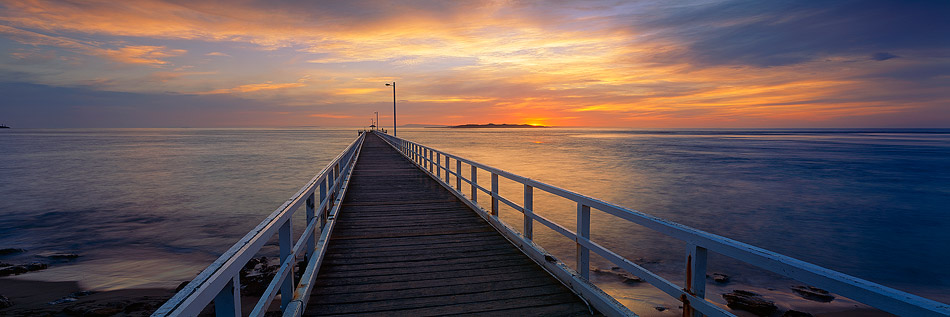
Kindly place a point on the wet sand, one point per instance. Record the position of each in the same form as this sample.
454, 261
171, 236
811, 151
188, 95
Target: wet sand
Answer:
38, 298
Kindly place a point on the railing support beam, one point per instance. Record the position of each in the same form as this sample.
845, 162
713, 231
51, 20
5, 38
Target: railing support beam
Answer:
695, 276
228, 300
528, 230
583, 232
286, 244
474, 184
494, 194
311, 239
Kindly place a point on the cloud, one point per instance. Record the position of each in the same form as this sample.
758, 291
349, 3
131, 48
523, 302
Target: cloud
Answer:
882, 56
250, 88
331, 116
782, 33
142, 54
133, 54
218, 54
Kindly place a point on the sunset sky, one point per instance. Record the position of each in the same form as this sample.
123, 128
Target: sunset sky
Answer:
638, 64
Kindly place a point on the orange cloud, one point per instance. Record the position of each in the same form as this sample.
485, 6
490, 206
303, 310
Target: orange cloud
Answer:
331, 116
143, 54
250, 88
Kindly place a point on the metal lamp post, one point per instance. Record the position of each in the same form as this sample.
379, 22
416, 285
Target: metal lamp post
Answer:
394, 106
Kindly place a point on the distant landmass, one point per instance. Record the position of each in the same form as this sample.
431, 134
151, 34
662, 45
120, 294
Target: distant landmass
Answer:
418, 125
492, 125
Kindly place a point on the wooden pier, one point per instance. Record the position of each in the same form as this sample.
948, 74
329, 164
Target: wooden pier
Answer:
404, 245
388, 234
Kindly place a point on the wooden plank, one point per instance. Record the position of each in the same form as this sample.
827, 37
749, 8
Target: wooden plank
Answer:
380, 295
519, 297
429, 272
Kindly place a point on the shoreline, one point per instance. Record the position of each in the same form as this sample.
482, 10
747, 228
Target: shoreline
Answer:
31, 298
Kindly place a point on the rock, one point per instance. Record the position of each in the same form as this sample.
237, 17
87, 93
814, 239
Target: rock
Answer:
256, 275
813, 293
719, 278
81, 293
139, 307
616, 271
642, 261
36, 266
23, 268
5, 302
795, 313
8, 251
104, 312
5, 264
63, 300
59, 255
750, 302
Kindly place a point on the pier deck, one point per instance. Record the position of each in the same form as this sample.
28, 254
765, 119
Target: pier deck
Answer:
404, 245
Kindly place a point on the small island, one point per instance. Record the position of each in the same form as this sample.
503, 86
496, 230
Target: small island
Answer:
492, 125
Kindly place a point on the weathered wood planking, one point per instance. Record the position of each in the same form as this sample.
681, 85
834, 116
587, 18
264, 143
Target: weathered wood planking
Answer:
405, 246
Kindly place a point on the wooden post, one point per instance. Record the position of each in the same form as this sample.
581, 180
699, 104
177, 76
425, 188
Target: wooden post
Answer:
458, 175
438, 165
494, 194
448, 169
583, 231
695, 276
323, 196
311, 245
474, 184
286, 244
228, 300
528, 211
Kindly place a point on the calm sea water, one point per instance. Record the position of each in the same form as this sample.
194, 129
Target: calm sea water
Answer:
152, 207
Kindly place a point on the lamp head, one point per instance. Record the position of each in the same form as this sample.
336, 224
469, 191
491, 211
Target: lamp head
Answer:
388, 84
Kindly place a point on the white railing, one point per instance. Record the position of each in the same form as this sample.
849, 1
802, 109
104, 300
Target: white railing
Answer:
698, 243
220, 281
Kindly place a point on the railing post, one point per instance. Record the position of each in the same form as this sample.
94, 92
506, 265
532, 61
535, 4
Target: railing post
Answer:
695, 277
311, 245
474, 184
458, 175
431, 162
448, 169
583, 232
494, 194
228, 300
438, 165
528, 211
336, 175
286, 244
323, 196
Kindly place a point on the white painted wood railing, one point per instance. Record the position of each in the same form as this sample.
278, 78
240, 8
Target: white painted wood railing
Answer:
220, 281
698, 244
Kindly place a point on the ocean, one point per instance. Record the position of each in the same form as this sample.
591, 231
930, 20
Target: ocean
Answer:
153, 207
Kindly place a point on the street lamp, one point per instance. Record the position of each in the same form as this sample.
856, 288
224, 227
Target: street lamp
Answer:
377, 119
394, 106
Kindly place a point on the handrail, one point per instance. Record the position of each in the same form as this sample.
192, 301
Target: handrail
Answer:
698, 242
220, 281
